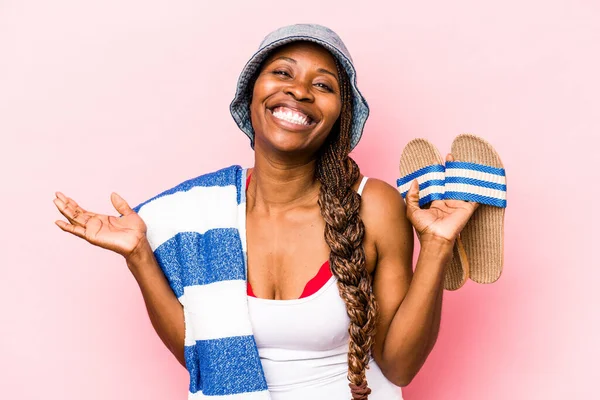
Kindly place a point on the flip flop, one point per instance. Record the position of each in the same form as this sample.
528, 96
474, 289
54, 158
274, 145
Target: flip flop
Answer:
421, 160
477, 174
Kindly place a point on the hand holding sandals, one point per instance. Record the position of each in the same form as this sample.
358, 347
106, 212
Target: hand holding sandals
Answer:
443, 220
466, 196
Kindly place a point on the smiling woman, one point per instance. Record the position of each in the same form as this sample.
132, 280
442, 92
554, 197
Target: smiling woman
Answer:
291, 279
300, 100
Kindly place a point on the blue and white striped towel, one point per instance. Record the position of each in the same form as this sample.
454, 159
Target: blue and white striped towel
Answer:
194, 231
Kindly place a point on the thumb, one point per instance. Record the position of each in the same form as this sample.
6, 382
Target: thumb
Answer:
412, 196
120, 204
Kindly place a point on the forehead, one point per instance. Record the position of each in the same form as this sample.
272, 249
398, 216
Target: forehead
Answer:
305, 52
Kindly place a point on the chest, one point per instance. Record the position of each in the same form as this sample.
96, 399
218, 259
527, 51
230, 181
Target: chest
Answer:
285, 252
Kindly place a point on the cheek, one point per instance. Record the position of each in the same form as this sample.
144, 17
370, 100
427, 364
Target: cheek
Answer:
333, 111
262, 88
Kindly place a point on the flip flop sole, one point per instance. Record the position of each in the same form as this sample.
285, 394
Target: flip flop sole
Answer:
457, 271
478, 175
421, 160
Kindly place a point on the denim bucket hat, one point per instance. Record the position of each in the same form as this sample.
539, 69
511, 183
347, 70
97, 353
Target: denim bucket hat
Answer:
240, 106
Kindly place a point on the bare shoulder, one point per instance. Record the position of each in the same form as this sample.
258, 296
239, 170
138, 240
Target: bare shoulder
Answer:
383, 212
381, 203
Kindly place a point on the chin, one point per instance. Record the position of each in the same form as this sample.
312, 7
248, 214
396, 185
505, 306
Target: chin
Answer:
290, 143
288, 146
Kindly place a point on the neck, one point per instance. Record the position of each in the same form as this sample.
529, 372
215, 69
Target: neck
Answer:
277, 186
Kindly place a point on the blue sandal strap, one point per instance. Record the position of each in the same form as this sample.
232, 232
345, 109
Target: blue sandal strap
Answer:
475, 182
431, 183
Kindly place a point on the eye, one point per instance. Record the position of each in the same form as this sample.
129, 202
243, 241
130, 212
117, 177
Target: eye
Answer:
281, 72
324, 86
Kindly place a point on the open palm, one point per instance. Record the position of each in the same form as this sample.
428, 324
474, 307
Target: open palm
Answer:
119, 234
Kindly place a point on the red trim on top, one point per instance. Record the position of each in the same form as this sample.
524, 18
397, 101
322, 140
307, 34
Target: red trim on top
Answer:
313, 285
249, 291
318, 281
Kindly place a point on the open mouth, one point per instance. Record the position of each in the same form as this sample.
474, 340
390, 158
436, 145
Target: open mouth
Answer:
292, 116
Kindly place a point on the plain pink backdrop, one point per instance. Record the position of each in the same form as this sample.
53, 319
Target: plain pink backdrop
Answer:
132, 96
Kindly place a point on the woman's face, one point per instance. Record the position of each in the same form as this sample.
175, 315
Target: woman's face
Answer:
296, 99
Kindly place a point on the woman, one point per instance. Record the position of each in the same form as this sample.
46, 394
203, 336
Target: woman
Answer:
306, 202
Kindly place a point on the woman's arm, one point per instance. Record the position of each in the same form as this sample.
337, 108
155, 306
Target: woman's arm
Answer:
126, 235
164, 309
409, 305
412, 325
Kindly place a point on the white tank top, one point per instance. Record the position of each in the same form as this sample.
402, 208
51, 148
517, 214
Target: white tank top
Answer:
303, 346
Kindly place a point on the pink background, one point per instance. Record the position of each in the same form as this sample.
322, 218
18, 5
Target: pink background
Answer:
132, 96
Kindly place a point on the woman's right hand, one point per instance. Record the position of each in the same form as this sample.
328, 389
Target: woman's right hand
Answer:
122, 235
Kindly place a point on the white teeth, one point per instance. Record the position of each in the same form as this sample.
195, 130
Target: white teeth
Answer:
290, 116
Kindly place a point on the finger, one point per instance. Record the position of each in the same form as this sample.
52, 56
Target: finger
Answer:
461, 204
75, 216
73, 211
120, 204
412, 196
451, 203
76, 230
63, 208
449, 157
439, 204
468, 206
62, 197
72, 203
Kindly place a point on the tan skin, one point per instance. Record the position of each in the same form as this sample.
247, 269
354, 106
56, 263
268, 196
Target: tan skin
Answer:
285, 229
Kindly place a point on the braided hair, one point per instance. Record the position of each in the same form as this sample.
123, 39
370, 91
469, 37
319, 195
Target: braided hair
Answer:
344, 232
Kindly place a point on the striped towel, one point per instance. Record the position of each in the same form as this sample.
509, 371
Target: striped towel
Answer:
194, 231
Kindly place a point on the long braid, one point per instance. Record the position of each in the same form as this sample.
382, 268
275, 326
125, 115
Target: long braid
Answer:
344, 232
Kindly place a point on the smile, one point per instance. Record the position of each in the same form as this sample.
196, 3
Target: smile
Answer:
291, 116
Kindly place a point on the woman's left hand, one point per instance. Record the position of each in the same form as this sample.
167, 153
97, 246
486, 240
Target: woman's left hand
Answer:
444, 219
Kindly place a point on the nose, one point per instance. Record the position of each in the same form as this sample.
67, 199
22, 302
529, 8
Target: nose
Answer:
300, 90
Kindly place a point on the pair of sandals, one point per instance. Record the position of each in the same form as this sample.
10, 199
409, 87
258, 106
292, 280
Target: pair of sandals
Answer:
477, 175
